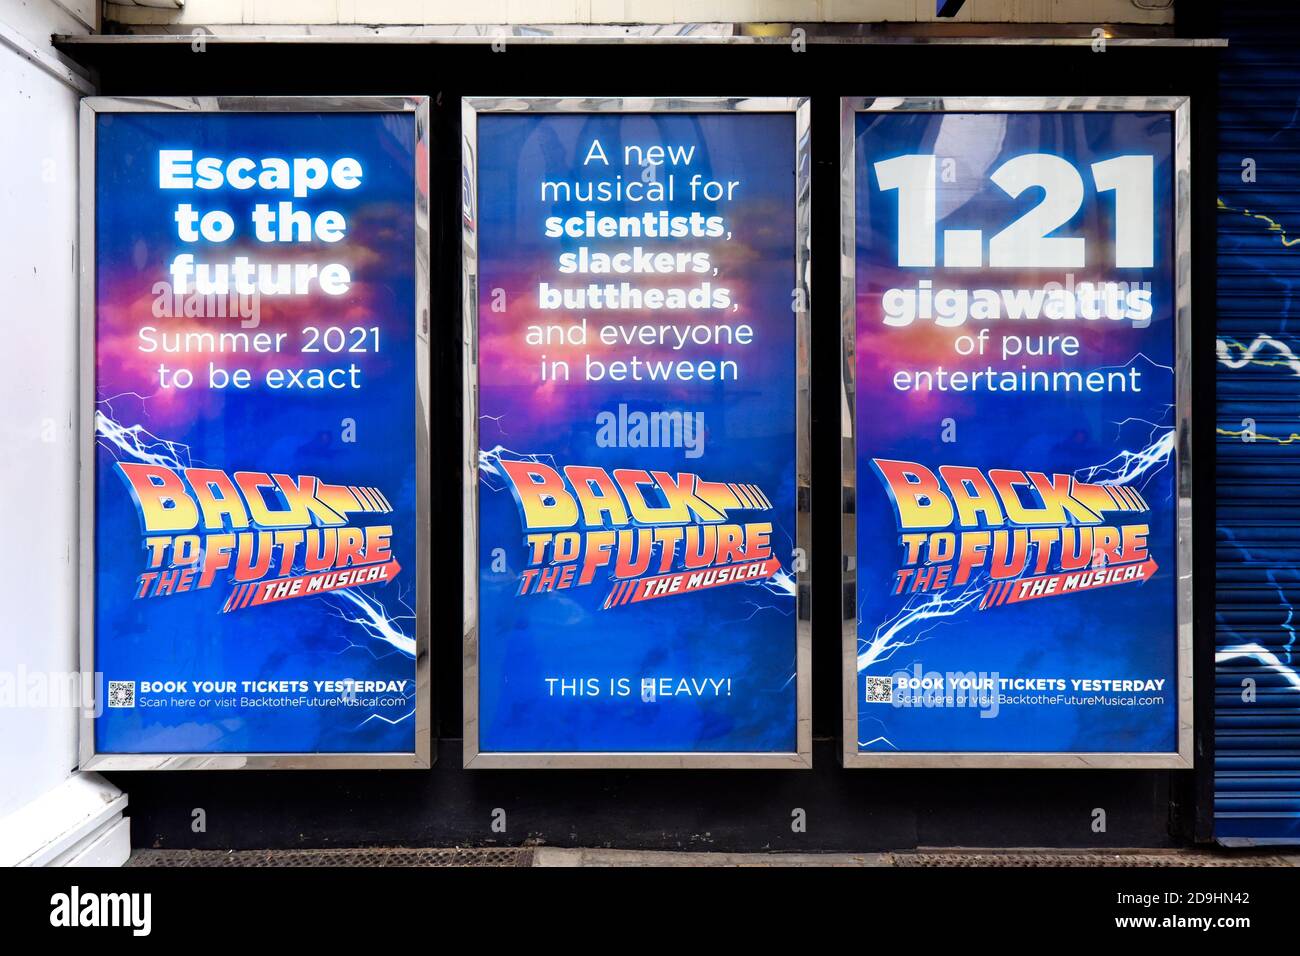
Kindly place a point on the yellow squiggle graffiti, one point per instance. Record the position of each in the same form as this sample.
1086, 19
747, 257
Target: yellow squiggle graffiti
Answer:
1273, 224
1248, 353
1259, 436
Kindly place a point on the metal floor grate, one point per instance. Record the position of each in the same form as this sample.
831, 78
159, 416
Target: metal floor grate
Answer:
381, 856
1065, 858
553, 856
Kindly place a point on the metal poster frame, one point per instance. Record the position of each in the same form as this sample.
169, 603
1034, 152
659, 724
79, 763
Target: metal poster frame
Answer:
801, 757
1180, 108
421, 755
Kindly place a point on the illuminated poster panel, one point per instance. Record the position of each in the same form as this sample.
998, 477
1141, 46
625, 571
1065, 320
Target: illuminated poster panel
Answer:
1017, 517
636, 445
254, 288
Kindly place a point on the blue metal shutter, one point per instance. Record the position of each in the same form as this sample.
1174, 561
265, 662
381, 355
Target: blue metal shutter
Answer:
1257, 534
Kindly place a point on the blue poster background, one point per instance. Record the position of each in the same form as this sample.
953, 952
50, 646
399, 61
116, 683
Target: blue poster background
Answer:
363, 634
1121, 632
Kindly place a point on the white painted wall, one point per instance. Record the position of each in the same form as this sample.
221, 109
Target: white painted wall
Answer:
43, 802
36, 20
217, 13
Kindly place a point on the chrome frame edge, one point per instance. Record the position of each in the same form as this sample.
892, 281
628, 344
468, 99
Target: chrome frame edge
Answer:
421, 756
801, 757
1180, 108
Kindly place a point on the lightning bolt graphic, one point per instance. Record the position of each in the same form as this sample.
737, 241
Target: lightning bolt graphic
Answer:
1129, 467
137, 443
895, 634
489, 464
1138, 467
368, 613
392, 722
783, 585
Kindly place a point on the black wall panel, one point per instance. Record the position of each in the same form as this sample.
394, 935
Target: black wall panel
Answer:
721, 810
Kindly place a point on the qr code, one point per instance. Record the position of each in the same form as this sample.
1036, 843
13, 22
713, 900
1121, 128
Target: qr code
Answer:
880, 690
121, 693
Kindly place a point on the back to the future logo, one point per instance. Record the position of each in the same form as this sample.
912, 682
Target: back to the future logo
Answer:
272, 536
658, 534
1034, 535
